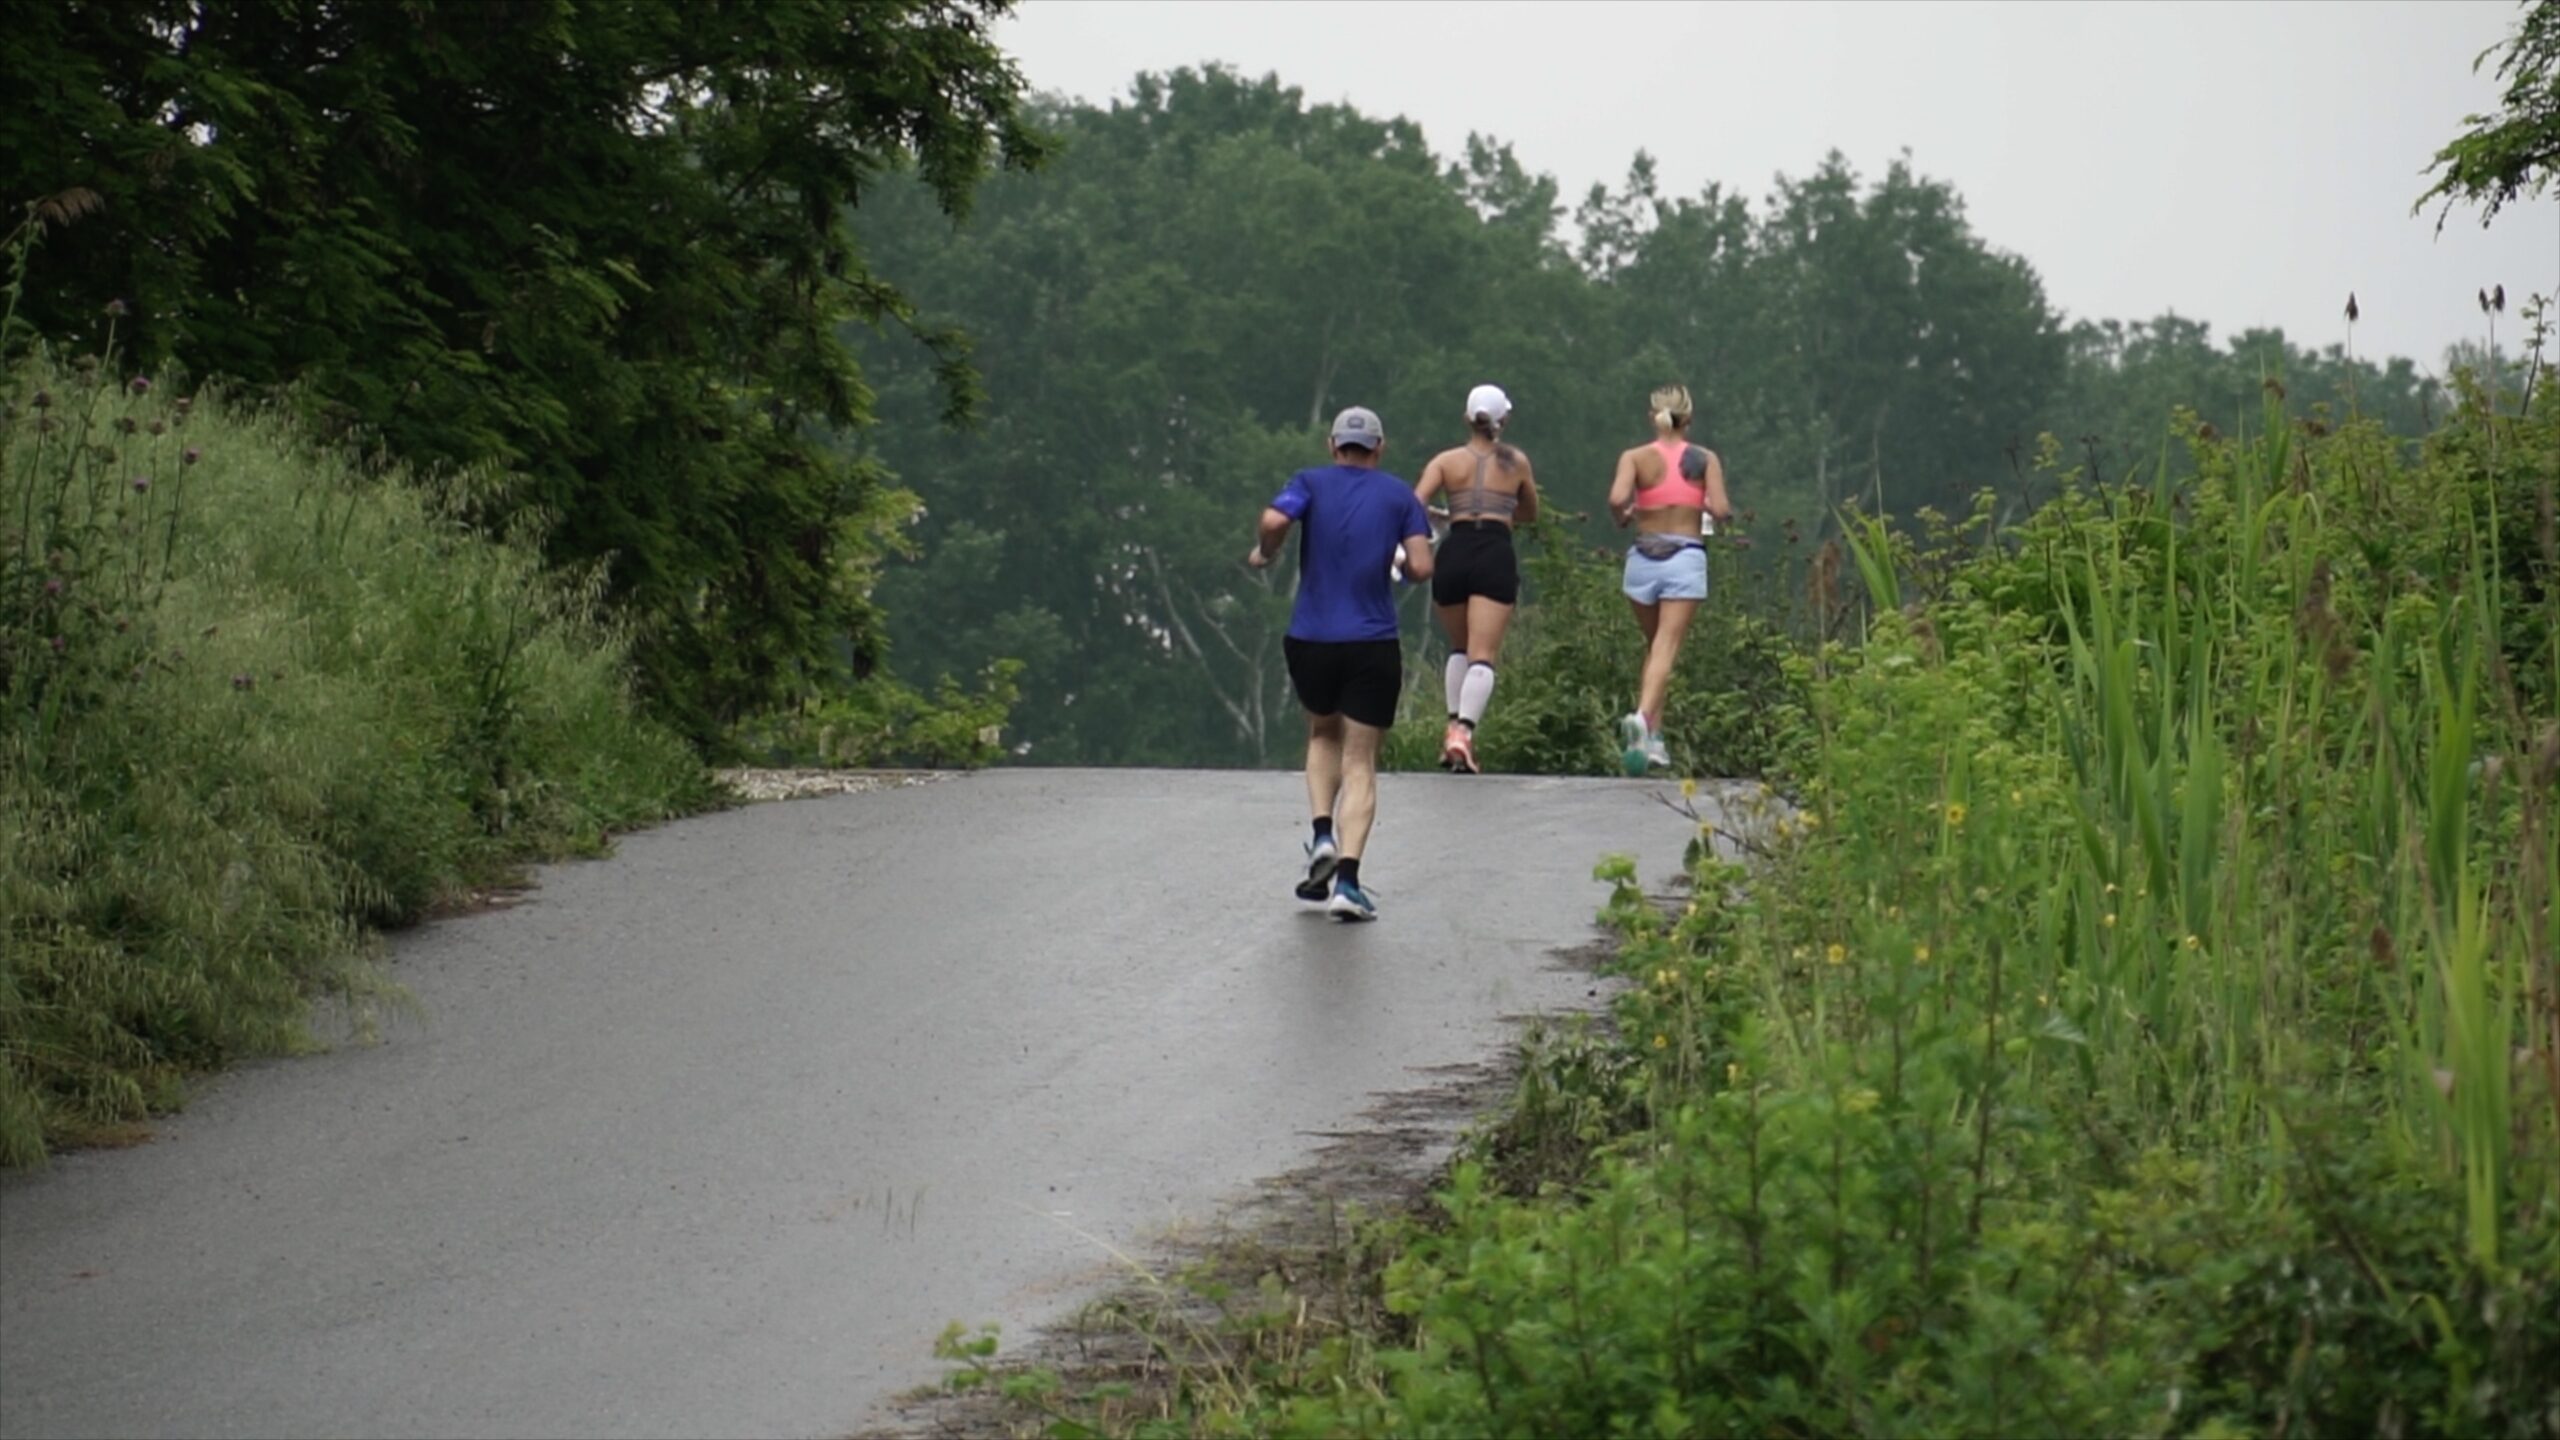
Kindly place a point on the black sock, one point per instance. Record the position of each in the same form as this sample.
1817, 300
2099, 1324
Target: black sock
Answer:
1347, 873
1324, 828
1463, 720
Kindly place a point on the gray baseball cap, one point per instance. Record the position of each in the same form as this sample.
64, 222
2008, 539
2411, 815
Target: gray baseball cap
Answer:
1358, 426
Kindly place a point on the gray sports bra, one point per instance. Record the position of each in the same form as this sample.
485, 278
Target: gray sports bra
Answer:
1477, 502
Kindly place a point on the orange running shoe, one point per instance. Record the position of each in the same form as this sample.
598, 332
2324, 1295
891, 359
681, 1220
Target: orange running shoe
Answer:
1458, 749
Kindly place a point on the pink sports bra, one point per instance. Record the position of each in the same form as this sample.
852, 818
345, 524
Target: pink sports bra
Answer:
1675, 487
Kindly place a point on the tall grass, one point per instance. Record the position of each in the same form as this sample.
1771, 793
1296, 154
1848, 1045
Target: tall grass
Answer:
256, 698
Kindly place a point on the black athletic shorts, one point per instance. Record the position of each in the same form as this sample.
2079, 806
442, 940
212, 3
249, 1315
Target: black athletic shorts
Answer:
1476, 560
1359, 679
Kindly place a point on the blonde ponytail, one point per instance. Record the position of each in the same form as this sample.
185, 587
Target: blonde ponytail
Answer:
1671, 408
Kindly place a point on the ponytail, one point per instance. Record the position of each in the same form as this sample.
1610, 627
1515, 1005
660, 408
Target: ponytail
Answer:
1671, 407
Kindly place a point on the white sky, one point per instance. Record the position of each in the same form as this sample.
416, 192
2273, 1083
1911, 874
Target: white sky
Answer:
2240, 163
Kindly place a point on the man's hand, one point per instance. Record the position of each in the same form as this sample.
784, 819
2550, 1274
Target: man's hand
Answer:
1256, 559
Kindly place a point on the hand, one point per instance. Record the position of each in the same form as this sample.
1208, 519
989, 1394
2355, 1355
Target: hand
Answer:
1256, 559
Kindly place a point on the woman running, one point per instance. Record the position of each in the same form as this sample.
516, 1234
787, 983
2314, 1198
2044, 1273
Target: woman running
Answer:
1673, 492
1477, 579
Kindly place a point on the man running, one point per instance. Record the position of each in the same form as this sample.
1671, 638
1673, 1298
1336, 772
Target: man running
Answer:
1344, 658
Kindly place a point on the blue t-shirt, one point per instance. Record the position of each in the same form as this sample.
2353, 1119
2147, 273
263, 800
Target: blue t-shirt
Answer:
1354, 520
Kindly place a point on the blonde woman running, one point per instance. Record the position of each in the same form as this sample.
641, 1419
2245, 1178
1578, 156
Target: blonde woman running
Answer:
1489, 488
1673, 493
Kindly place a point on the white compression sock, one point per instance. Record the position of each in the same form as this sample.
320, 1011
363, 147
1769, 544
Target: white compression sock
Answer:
1475, 692
1453, 678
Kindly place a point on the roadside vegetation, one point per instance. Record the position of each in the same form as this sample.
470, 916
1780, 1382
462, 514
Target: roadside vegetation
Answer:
260, 698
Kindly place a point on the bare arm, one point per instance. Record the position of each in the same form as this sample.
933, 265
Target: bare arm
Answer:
1267, 539
1622, 490
1528, 510
1429, 484
1417, 558
1717, 504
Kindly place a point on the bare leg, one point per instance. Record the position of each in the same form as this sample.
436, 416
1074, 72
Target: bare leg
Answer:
1484, 621
1662, 652
1453, 623
1357, 752
1647, 618
1324, 765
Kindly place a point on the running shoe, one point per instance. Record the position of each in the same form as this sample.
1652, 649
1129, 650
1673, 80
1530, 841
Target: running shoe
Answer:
1656, 753
1322, 857
1350, 902
1635, 755
1458, 749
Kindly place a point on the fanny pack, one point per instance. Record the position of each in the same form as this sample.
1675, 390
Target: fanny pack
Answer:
1663, 547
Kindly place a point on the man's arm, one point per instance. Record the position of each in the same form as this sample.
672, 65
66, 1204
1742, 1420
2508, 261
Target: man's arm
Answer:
1272, 534
1417, 544
1417, 558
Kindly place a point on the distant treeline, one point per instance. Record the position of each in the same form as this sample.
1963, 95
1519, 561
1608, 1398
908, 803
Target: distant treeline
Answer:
1204, 270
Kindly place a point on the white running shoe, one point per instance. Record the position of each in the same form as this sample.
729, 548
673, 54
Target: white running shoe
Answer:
1322, 859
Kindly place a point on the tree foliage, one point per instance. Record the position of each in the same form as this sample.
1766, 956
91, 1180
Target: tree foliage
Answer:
2499, 157
602, 246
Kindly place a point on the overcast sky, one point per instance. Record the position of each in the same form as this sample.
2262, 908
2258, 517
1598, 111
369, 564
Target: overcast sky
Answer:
2240, 163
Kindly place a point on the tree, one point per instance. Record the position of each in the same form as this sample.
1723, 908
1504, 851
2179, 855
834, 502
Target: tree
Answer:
1166, 317
2512, 153
600, 246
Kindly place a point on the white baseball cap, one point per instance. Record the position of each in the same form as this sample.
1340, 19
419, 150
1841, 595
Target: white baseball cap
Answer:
1488, 401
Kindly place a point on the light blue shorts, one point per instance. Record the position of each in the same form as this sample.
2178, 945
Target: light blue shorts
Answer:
1682, 577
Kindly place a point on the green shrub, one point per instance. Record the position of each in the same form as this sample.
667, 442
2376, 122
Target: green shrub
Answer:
257, 697
884, 723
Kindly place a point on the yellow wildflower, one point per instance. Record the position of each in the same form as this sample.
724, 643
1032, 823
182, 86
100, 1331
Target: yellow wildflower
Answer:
2194, 941
2111, 887
1859, 1101
1955, 812
2017, 797
1893, 912
1811, 820
1920, 954
1733, 1072
1835, 952
1661, 1041
1689, 788
2108, 920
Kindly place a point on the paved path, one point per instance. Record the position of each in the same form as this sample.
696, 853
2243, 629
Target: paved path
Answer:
711, 1138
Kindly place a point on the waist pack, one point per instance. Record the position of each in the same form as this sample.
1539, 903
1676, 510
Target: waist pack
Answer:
1663, 547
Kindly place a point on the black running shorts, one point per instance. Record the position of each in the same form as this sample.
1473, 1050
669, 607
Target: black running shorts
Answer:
1476, 560
1358, 679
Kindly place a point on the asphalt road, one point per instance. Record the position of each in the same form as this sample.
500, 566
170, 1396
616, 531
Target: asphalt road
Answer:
713, 1137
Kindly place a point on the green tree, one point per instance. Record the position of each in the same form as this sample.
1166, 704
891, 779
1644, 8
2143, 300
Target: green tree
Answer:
2500, 157
1165, 318
602, 246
